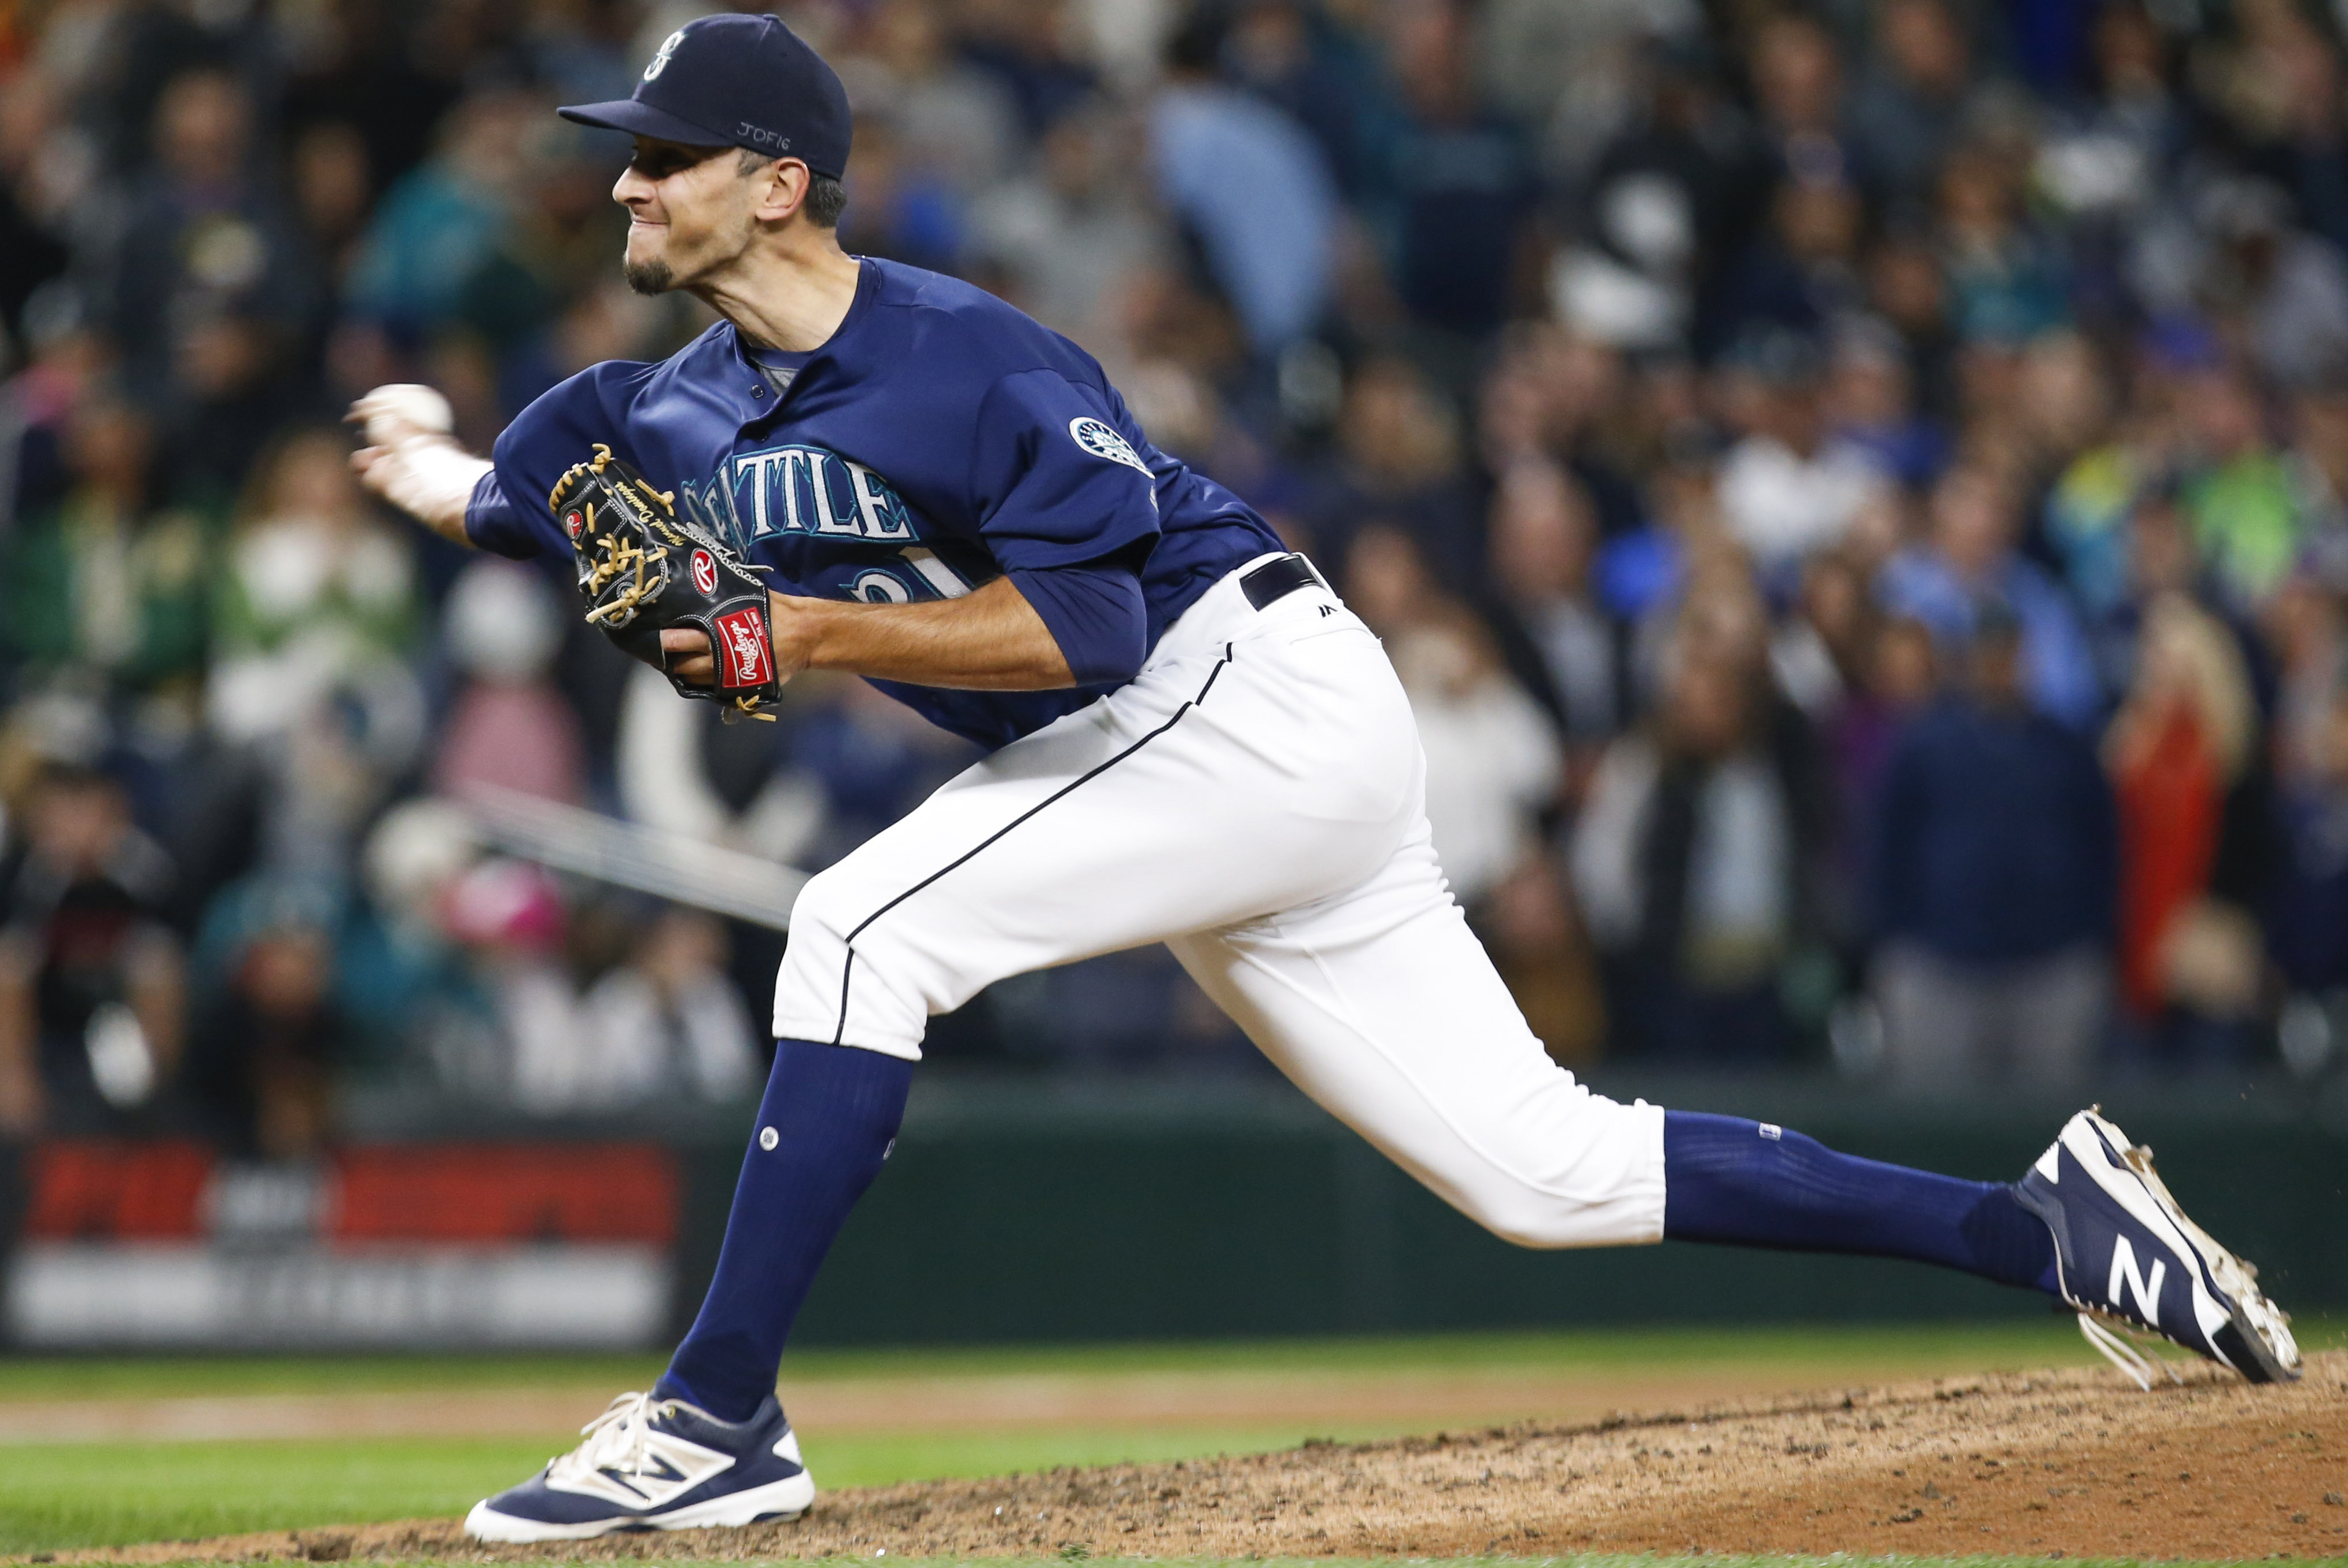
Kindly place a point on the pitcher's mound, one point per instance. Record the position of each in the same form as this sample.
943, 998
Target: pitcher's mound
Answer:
2074, 1461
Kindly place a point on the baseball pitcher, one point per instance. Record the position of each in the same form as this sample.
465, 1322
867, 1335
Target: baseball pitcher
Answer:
868, 468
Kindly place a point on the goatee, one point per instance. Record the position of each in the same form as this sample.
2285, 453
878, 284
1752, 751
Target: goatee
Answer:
648, 277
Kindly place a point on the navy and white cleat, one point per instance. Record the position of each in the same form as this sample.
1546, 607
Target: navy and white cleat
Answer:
2133, 1265
655, 1464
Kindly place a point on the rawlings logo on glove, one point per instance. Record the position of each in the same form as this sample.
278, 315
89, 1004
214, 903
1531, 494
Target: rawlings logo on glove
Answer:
642, 570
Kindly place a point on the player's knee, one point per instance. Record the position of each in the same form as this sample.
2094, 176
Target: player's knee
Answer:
817, 947
1523, 1220
1532, 1214
845, 980
822, 914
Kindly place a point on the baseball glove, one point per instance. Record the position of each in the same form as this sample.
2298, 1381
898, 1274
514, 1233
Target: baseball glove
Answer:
642, 570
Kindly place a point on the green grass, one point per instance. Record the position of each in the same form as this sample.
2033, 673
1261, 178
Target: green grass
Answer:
63, 1495
106, 1495
1828, 1350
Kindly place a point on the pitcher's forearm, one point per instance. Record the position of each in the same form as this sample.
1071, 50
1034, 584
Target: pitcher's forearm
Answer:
988, 640
411, 459
429, 479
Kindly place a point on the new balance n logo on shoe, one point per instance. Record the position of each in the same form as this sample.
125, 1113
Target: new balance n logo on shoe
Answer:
2146, 1290
653, 1477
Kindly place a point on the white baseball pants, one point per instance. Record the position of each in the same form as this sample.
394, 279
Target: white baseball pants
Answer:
1253, 800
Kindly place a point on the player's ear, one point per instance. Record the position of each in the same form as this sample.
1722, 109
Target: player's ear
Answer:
783, 187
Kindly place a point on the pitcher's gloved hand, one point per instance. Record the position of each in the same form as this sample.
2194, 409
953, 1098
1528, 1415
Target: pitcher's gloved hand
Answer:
644, 570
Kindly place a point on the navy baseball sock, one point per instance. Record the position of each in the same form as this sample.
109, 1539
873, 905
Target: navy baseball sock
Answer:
828, 1118
1754, 1184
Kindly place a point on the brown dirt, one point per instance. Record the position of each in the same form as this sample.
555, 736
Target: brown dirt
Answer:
1309, 1401
2071, 1461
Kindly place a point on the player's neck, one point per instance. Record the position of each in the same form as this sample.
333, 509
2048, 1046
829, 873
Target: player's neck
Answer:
791, 295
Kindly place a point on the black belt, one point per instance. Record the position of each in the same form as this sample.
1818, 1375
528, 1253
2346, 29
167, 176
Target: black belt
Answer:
1278, 578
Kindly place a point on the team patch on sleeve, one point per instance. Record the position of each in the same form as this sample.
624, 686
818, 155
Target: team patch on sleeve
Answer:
1100, 438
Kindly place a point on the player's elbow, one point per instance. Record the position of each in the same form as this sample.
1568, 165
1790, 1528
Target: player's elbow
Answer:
1112, 659
1097, 620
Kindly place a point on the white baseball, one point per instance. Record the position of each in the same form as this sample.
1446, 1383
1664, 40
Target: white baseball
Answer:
404, 408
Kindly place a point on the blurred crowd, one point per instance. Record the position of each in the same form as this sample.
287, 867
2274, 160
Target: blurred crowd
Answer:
1856, 492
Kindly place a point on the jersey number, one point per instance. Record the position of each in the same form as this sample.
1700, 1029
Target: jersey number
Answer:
879, 586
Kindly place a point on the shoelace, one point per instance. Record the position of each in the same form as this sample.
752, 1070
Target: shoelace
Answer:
2128, 1347
618, 1439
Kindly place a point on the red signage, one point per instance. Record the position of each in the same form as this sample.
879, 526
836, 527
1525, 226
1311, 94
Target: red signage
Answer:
505, 1192
96, 1189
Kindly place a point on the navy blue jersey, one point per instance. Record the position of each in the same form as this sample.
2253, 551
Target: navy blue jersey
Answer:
939, 439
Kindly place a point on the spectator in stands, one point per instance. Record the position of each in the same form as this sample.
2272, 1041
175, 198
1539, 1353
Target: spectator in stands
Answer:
2092, 523
266, 1048
903, 210
213, 287
317, 595
2192, 836
1907, 289
1971, 561
2237, 493
1790, 489
1993, 871
1871, 404
1544, 542
510, 1033
1692, 854
92, 983
103, 584
1398, 458
1452, 190
1252, 187
1894, 675
1796, 69
2008, 281
1679, 186
330, 185
1909, 106
439, 223
664, 1023
1492, 759
952, 118
1315, 64
2287, 289
2307, 918
1029, 46
1069, 232
510, 729
1802, 275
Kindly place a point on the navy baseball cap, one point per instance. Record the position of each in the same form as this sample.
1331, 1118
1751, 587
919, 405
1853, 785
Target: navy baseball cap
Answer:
735, 81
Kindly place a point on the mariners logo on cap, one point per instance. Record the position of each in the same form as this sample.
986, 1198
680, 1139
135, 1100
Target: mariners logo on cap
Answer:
1101, 440
659, 60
